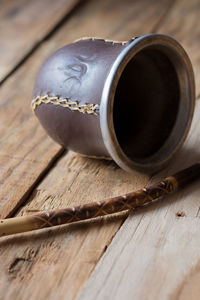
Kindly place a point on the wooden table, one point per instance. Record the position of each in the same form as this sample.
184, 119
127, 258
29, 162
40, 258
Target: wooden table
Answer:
152, 253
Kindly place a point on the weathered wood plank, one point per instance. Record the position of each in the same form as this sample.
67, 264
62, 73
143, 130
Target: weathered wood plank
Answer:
155, 253
25, 150
22, 138
184, 25
23, 24
61, 260
64, 257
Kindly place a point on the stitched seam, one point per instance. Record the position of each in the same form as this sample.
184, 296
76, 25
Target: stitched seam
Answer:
104, 40
87, 108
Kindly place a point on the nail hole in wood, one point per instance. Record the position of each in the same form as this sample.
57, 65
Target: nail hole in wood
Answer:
180, 214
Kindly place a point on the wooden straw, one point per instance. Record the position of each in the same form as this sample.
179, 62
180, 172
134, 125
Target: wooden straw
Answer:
96, 209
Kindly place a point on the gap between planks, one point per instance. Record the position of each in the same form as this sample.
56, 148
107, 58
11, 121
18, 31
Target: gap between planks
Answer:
65, 257
155, 254
18, 61
14, 133
69, 13
120, 33
37, 182
60, 153
85, 239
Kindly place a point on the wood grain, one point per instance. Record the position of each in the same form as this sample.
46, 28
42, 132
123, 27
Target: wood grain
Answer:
145, 254
24, 24
183, 24
58, 262
157, 247
63, 257
155, 254
25, 150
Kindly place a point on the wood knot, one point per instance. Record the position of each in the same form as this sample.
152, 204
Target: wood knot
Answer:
22, 265
180, 214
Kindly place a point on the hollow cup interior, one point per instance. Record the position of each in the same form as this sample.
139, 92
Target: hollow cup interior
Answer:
146, 103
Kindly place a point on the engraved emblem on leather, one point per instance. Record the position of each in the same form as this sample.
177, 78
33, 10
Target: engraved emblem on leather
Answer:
74, 72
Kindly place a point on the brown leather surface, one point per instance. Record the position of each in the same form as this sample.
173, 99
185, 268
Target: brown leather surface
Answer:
77, 71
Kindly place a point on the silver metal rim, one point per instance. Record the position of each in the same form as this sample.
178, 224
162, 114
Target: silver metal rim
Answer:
185, 114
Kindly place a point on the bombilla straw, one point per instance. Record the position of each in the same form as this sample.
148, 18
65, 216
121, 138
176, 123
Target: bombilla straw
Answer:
101, 208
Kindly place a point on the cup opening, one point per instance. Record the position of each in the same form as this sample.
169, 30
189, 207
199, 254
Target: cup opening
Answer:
146, 103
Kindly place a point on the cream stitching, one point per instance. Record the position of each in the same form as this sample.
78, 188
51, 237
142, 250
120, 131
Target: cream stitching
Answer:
87, 108
104, 40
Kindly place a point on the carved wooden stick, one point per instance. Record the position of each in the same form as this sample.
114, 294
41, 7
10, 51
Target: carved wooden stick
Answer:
101, 208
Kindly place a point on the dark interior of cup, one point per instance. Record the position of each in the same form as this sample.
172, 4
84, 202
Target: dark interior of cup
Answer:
146, 103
